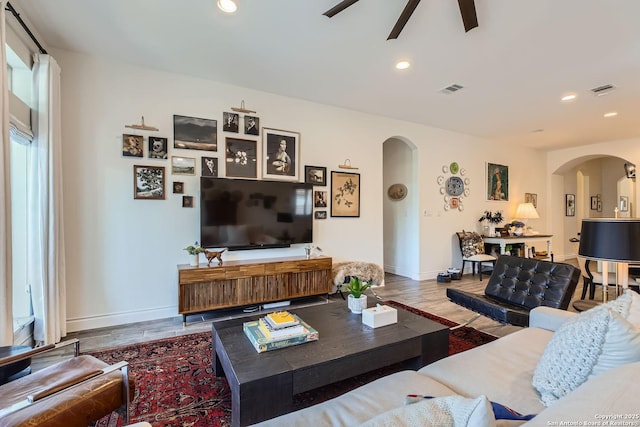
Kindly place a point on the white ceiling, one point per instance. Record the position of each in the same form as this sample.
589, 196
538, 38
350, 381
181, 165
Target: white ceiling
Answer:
514, 67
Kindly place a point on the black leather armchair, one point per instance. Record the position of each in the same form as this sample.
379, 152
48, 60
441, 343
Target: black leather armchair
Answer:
518, 285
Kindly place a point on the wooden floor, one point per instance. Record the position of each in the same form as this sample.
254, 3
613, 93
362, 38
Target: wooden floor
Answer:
427, 295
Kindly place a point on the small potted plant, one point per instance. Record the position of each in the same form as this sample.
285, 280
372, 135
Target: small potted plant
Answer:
356, 300
194, 250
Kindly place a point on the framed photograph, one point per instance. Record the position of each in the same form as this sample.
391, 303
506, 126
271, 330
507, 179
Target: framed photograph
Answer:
132, 145
158, 148
178, 187
209, 166
497, 182
624, 203
183, 165
230, 122
531, 198
148, 182
281, 154
187, 201
192, 133
345, 194
319, 199
316, 175
241, 158
251, 125
570, 204
594, 203
320, 214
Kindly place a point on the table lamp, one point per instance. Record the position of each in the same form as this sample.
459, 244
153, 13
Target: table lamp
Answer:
526, 211
611, 240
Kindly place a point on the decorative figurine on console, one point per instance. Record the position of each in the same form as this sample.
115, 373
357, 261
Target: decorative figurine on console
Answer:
214, 254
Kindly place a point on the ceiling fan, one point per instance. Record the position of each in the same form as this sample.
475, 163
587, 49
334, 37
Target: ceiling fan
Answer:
467, 10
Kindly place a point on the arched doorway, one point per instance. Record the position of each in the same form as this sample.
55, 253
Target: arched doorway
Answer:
400, 211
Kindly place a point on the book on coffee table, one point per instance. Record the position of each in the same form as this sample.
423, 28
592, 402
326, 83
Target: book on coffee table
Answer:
261, 342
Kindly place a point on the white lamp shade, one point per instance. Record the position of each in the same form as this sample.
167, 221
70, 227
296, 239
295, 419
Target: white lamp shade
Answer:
526, 211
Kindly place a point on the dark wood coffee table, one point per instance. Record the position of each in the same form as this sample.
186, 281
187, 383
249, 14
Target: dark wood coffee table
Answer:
263, 384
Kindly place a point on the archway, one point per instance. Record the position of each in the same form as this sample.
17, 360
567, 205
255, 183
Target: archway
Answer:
400, 211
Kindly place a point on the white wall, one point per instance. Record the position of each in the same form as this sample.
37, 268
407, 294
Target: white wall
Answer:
122, 253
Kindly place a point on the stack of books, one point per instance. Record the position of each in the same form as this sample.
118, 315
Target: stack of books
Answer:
278, 330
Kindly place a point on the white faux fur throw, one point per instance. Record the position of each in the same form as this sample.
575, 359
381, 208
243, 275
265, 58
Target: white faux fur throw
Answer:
365, 271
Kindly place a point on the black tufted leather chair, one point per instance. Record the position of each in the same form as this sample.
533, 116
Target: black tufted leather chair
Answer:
518, 285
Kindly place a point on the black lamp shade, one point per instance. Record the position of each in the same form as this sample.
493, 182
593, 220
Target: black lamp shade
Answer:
606, 239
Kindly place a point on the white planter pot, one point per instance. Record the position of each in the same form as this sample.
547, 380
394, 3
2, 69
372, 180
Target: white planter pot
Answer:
195, 261
356, 305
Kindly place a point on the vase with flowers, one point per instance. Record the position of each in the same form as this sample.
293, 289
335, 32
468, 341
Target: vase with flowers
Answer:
194, 250
492, 219
516, 228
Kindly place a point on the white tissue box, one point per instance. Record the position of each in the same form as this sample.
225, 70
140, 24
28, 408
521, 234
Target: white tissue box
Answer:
380, 315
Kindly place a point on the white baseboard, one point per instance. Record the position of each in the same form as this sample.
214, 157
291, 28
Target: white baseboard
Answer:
123, 318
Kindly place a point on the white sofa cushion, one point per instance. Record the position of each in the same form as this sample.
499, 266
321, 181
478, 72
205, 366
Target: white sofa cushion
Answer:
363, 403
592, 342
448, 411
501, 370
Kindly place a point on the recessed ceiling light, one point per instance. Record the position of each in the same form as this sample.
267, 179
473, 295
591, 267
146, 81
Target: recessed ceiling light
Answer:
611, 114
403, 65
568, 97
227, 6
537, 130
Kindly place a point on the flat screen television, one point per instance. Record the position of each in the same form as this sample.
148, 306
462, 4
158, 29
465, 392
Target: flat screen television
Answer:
247, 214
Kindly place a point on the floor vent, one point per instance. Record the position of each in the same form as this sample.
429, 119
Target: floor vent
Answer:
451, 89
602, 90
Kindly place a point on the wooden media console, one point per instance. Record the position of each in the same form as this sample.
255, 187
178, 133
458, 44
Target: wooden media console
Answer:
240, 283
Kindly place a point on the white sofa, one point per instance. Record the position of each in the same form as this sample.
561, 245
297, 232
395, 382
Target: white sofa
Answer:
502, 371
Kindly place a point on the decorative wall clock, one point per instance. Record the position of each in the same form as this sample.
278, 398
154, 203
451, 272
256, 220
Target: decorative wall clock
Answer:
453, 186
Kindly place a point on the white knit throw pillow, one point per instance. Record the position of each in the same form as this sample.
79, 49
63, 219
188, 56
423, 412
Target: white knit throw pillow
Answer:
586, 345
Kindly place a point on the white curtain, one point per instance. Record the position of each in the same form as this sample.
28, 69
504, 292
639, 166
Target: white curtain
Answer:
6, 281
46, 264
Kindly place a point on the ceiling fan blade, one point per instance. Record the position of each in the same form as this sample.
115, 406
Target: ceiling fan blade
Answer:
403, 19
339, 8
468, 12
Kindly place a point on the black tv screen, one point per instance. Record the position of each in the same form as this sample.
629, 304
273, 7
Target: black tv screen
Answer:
246, 214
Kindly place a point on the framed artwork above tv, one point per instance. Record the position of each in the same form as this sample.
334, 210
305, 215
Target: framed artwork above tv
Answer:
280, 154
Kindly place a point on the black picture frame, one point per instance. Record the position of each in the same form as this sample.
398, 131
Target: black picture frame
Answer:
187, 201
316, 175
209, 166
320, 214
230, 122
251, 125
158, 148
178, 187
570, 204
241, 158
319, 199
194, 133
280, 154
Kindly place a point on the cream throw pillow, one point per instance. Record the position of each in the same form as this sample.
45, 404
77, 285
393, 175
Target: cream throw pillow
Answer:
586, 345
449, 411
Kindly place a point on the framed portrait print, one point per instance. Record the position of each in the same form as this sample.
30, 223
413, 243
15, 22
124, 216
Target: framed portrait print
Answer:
132, 145
531, 198
183, 165
319, 199
157, 148
209, 166
178, 187
193, 133
570, 204
148, 182
345, 194
316, 175
251, 125
241, 158
230, 122
280, 154
187, 201
497, 182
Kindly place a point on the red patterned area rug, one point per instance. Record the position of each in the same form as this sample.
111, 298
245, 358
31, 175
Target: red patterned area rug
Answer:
175, 385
